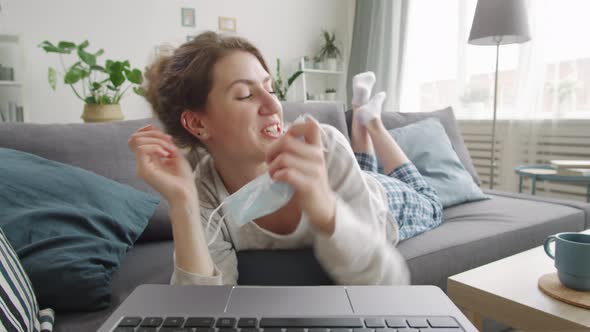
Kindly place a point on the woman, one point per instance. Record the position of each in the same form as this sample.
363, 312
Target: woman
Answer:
215, 92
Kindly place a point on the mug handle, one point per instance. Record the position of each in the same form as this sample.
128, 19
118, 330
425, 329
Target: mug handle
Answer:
546, 244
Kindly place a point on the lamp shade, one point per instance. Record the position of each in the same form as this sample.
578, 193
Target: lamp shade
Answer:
499, 22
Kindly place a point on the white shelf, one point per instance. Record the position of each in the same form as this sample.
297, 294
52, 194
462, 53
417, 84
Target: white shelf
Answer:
322, 71
10, 83
13, 92
319, 79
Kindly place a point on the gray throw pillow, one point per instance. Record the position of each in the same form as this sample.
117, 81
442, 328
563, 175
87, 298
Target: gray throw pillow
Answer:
393, 120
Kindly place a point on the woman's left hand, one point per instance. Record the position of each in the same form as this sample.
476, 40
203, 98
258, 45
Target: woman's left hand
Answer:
301, 164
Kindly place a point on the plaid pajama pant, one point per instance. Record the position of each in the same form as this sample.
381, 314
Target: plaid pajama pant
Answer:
412, 201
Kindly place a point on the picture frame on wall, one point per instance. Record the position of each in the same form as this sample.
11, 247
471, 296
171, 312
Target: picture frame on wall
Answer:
187, 16
227, 24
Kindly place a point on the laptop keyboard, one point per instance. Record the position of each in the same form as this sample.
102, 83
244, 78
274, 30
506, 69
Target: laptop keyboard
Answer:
246, 324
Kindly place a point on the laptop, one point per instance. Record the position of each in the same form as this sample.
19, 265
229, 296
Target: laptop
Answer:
167, 308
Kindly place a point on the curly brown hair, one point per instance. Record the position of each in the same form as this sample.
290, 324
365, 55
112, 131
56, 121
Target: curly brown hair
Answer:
182, 81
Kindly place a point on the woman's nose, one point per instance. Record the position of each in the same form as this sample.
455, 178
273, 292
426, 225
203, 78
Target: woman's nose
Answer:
270, 104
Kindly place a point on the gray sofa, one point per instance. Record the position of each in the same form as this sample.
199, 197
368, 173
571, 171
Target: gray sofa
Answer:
471, 235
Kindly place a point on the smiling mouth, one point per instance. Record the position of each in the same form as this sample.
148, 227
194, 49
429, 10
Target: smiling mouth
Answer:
272, 131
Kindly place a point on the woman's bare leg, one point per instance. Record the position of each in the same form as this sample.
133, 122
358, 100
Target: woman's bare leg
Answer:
386, 148
360, 138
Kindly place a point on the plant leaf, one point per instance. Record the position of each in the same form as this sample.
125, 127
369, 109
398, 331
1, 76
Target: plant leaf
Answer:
293, 77
89, 59
52, 77
106, 100
50, 48
90, 100
95, 86
72, 76
117, 78
84, 73
66, 46
134, 76
99, 52
112, 88
98, 68
83, 45
139, 90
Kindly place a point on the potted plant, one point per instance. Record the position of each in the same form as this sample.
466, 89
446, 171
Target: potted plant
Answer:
100, 87
329, 52
331, 94
279, 86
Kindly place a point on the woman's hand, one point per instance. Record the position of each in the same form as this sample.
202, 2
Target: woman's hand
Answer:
161, 164
302, 165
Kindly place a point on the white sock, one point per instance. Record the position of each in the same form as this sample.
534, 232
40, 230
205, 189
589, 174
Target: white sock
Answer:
362, 84
372, 109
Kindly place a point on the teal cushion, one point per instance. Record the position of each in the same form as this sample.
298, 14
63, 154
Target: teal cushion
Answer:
427, 145
71, 228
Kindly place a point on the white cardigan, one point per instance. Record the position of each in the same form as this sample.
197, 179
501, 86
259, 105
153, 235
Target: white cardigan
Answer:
361, 251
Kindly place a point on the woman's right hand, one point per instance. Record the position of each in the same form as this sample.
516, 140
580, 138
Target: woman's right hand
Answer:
161, 164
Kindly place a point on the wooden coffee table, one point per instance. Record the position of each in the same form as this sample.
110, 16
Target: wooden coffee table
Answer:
507, 291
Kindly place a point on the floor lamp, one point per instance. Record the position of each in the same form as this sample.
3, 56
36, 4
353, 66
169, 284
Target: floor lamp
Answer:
498, 22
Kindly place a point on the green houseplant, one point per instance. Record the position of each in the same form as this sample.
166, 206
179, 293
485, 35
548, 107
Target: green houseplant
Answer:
100, 87
279, 86
329, 51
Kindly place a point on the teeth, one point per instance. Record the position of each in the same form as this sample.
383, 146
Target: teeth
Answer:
272, 129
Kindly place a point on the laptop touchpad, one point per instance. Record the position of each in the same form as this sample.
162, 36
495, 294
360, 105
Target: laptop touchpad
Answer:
289, 301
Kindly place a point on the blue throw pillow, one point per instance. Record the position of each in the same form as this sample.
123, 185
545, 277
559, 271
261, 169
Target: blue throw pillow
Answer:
429, 148
70, 227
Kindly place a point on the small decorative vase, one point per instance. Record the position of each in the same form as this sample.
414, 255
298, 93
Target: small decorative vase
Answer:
102, 113
332, 64
331, 96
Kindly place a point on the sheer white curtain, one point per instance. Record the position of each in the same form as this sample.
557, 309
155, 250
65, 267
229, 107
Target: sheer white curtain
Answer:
543, 87
378, 46
546, 78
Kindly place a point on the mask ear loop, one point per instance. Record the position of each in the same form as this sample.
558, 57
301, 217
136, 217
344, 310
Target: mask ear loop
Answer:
211, 218
217, 231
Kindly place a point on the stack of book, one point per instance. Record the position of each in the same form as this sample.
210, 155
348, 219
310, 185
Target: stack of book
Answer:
572, 167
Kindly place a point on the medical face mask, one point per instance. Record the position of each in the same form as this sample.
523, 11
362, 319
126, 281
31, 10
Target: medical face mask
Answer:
259, 197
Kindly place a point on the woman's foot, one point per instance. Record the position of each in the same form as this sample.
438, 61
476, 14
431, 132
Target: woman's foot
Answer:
370, 111
362, 84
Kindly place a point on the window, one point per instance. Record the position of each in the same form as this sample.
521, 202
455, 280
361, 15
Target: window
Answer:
548, 77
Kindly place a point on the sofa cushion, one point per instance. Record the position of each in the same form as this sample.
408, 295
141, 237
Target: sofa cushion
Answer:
474, 234
70, 227
147, 263
97, 147
329, 113
427, 145
393, 120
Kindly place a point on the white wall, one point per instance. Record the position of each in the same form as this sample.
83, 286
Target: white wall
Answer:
131, 29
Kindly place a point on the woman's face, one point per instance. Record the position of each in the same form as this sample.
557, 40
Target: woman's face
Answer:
243, 115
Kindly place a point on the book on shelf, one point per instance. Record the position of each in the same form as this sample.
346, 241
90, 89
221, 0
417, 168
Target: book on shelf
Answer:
574, 171
13, 113
570, 163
